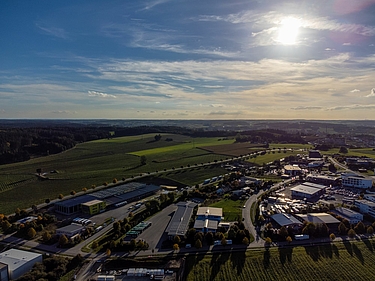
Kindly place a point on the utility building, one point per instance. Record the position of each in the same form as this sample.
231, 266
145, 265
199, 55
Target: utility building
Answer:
18, 262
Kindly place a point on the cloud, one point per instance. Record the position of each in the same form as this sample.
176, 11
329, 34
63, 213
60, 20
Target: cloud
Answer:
64, 112
53, 31
100, 95
354, 106
355, 90
152, 4
306, 108
371, 94
217, 105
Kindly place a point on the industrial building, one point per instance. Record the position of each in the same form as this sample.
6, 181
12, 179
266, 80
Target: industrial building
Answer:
317, 218
323, 179
70, 230
179, 223
292, 170
4, 276
93, 207
112, 196
352, 216
356, 181
365, 207
208, 219
308, 190
284, 219
18, 262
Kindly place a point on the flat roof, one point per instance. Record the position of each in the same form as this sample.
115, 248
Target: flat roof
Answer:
285, 219
347, 212
76, 201
71, 227
366, 202
92, 202
180, 221
311, 184
318, 218
210, 224
17, 258
305, 189
211, 211
292, 167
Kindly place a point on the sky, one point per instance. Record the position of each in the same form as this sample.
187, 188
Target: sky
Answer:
177, 59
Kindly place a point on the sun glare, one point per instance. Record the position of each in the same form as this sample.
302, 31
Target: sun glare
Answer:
288, 31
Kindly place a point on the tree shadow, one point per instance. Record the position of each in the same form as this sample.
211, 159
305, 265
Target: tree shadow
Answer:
358, 253
217, 262
266, 258
368, 244
348, 247
313, 252
335, 251
238, 260
285, 254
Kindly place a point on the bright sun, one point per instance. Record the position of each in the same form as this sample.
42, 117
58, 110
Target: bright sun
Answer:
288, 31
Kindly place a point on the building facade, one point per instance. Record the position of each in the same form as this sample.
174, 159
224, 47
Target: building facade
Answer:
356, 181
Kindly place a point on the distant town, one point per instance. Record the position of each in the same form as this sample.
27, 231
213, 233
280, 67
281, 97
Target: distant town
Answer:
188, 188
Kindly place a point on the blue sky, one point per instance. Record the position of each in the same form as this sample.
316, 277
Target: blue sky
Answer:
187, 59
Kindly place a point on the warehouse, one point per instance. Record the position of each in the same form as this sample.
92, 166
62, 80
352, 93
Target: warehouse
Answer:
307, 191
317, 218
179, 223
18, 262
70, 230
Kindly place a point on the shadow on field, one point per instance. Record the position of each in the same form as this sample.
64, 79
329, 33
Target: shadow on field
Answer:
218, 259
368, 244
348, 247
335, 250
238, 259
358, 253
285, 254
266, 258
320, 251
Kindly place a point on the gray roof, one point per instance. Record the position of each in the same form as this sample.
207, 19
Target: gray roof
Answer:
209, 224
318, 218
16, 258
284, 219
305, 189
71, 228
180, 221
315, 185
347, 212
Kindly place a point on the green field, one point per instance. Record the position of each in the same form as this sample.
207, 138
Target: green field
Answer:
338, 261
232, 209
270, 157
97, 162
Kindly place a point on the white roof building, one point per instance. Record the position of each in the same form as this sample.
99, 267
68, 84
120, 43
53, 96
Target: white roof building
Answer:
19, 262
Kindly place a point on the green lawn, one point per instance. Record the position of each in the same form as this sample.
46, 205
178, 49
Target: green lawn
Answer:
338, 261
232, 210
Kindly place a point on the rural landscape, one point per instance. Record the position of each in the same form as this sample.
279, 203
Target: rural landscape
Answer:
197, 164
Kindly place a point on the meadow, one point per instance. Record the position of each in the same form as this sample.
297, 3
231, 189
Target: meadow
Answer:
232, 209
335, 261
102, 161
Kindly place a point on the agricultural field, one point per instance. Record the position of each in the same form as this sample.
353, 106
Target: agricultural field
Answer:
272, 156
336, 261
294, 146
233, 149
101, 161
232, 209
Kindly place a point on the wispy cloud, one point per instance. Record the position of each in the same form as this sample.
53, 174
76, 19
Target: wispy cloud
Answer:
100, 95
53, 31
151, 4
